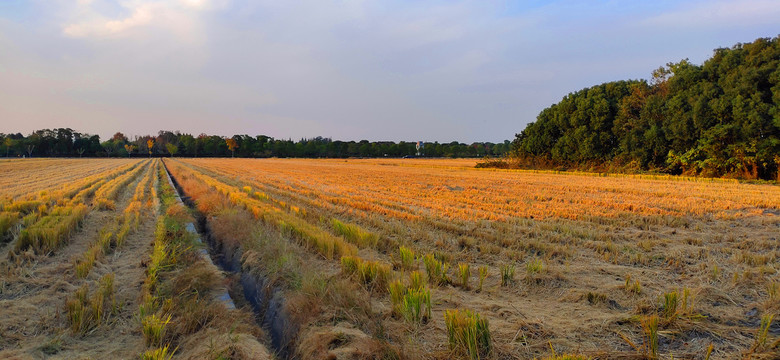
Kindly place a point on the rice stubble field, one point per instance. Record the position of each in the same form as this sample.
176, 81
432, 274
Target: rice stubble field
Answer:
383, 258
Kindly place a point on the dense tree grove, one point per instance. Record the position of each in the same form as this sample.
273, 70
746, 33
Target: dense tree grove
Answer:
718, 119
67, 142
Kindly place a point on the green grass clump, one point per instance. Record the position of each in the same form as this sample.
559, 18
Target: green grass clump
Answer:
407, 258
153, 328
468, 333
773, 291
355, 234
24, 207
417, 305
677, 303
372, 273
763, 330
650, 327
397, 291
416, 280
7, 221
483, 273
161, 353
412, 303
464, 270
349, 264
507, 274
533, 267
49, 232
632, 287
595, 298
437, 270
85, 312
669, 305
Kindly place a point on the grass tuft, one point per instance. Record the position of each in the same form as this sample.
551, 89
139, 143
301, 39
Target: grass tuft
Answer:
355, 234
763, 331
372, 273
464, 270
153, 328
632, 287
468, 333
407, 258
437, 270
160, 353
507, 274
650, 327
483, 273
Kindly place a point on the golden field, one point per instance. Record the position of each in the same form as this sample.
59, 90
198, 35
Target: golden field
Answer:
382, 258
594, 255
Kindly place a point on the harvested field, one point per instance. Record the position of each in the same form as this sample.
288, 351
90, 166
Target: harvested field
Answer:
100, 267
386, 258
578, 263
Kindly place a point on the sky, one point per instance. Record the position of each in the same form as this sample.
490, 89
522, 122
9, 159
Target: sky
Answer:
377, 70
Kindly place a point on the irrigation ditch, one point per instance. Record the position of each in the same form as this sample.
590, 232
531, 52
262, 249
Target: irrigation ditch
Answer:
267, 302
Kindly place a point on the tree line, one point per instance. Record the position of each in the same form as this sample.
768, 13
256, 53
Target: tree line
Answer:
65, 142
721, 118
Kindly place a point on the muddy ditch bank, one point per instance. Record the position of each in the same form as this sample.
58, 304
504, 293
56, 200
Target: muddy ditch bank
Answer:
268, 302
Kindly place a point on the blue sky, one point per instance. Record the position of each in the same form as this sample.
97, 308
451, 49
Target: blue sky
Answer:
377, 70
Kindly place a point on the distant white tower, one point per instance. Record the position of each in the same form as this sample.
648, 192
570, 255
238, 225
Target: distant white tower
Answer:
420, 146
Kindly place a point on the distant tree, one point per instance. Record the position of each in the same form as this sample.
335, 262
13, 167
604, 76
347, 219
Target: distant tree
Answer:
30, 149
715, 119
108, 147
150, 145
119, 137
232, 145
80, 151
129, 148
172, 149
8, 142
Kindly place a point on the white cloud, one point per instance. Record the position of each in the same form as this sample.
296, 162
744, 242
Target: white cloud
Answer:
180, 17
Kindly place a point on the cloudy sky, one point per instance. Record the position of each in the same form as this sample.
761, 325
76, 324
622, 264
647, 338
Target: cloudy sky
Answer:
378, 70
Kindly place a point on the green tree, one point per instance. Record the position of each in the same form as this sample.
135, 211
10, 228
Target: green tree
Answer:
172, 149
